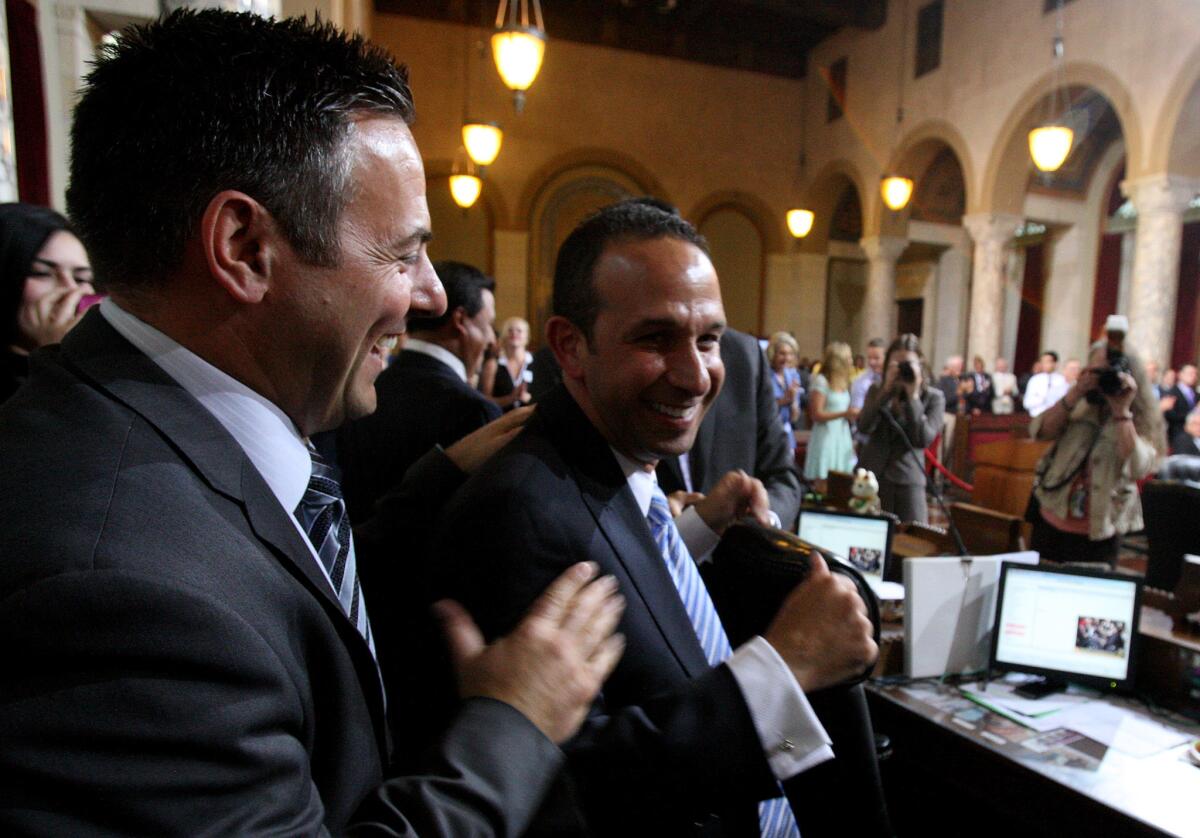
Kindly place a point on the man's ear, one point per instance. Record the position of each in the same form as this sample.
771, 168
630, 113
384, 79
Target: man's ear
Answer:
569, 345
240, 240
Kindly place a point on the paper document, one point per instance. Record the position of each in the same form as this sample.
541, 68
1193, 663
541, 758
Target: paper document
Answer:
1037, 714
1121, 729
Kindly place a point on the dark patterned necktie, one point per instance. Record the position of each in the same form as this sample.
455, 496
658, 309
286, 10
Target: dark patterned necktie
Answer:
322, 515
775, 816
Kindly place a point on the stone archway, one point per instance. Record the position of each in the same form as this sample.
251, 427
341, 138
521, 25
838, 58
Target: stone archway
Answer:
563, 200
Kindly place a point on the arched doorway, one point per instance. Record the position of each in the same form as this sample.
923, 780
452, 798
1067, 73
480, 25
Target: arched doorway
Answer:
737, 249
564, 200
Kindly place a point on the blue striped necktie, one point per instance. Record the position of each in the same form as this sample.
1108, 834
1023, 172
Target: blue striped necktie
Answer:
775, 815
322, 515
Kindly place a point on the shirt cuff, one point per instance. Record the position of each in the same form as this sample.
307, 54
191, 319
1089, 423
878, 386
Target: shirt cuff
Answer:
792, 736
700, 540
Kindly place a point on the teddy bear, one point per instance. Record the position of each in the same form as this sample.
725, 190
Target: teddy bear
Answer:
864, 493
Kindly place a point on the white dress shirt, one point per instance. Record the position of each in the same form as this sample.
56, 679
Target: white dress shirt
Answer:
860, 386
439, 353
792, 737
1043, 391
269, 438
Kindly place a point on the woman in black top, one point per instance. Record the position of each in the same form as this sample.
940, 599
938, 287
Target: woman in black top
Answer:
44, 276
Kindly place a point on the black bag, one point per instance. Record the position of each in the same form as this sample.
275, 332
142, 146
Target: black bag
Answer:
753, 570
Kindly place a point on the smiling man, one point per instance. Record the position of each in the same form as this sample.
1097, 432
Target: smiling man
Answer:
690, 736
187, 646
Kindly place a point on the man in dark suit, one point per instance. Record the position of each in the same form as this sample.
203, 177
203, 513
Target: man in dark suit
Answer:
1184, 393
186, 646
1187, 441
689, 737
741, 430
424, 398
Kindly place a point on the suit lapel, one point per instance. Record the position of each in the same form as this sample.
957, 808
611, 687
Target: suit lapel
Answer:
100, 354
608, 498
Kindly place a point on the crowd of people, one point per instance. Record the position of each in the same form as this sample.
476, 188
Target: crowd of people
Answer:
288, 549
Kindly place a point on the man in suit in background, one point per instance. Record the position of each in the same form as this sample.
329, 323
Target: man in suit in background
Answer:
424, 398
741, 431
187, 647
689, 737
1187, 441
1184, 393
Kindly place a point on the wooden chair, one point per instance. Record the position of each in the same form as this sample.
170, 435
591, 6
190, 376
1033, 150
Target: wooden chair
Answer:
986, 531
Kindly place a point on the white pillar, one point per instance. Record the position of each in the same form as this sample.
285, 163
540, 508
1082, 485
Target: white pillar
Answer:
1153, 292
879, 305
991, 233
8, 158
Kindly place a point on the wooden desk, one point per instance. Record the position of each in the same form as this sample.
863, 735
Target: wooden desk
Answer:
958, 769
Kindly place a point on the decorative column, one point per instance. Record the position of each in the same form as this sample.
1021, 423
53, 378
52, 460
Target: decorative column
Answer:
992, 233
1160, 201
879, 305
8, 159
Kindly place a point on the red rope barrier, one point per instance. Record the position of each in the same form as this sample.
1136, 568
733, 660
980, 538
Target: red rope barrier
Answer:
931, 460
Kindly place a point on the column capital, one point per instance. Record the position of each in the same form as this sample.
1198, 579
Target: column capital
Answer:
1160, 193
992, 227
883, 248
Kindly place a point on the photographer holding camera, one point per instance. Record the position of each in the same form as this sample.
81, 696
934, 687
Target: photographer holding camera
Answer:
1107, 434
901, 416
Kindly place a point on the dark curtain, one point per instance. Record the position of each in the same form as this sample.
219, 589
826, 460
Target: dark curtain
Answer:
29, 103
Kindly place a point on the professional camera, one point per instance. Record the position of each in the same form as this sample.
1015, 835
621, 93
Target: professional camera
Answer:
1110, 379
906, 371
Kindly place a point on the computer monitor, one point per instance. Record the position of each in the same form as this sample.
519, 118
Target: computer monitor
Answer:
1067, 625
864, 541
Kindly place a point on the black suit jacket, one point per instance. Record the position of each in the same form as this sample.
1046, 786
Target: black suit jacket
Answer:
174, 661
421, 403
1177, 415
742, 430
1185, 443
670, 743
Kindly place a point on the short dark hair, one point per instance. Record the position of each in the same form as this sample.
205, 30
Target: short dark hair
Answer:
464, 286
1051, 353
634, 219
178, 110
24, 231
876, 343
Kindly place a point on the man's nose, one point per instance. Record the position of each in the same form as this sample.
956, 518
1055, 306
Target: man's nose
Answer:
688, 370
428, 296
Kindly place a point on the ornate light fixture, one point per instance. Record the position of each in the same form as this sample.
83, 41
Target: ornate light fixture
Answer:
465, 184
1049, 146
518, 47
800, 222
895, 188
482, 141
1050, 143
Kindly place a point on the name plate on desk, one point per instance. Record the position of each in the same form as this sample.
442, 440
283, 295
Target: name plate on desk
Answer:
949, 608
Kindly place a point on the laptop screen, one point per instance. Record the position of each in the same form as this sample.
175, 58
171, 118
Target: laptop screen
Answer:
864, 541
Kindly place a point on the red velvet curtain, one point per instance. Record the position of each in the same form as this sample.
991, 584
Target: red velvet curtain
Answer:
1029, 324
29, 103
1187, 306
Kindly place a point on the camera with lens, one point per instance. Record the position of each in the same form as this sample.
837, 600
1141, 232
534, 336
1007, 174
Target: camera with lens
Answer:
1110, 382
906, 372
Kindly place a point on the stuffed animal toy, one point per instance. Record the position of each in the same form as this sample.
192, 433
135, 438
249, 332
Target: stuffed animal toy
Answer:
864, 493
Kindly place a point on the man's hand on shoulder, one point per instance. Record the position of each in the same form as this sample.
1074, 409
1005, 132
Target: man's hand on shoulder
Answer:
554, 662
736, 495
474, 449
822, 631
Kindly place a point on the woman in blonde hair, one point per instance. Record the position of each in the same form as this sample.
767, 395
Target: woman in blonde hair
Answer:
830, 447
781, 354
